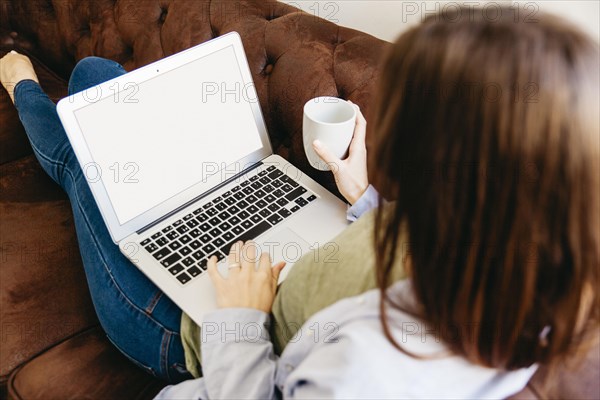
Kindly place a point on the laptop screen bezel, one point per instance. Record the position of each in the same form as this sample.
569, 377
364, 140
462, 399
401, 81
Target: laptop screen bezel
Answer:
67, 107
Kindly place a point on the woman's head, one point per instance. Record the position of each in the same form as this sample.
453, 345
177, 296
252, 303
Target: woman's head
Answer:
487, 139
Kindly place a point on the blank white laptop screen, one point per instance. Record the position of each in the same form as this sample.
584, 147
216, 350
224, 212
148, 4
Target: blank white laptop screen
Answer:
166, 134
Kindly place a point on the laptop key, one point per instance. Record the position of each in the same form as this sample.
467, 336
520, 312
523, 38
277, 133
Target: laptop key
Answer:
205, 227
177, 223
312, 197
239, 195
268, 188
247, 224
275, 174
151, 248
282, 202
175, 269
162, 253
252, 209
233, 210
286, 188
209, 248
289, 181
229, 201
183, 229
188, 217
255, 218
194, 271
245, 183
235, 189
253, 233
202, 217
271, 168
224, 226
265, 213
275, 219
248, 190
255, 177
226, 194
173, 235
195, 233
172, 259
167, 229
256, 185
224, 215
218, 242
193, 223
185, 251
261, 204
251, 199
262, 173
195, 245
237, 230
156, 235
301, 202
274, 207
214, 221
221, 206
198, 255
295, 193
244, 215
295, 208
205, 238
183, 278
215, 232
185, 239
188, 261
284, 212
234, 220
278, 193
264, 180
161, 241
277, 184
217, 199
211, 212
227, 236
175, 245
243, 204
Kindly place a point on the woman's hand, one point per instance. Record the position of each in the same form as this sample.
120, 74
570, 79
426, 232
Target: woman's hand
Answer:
351, 173
246, 286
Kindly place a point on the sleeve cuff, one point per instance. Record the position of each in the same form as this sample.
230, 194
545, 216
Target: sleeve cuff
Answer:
235, 325
366, 202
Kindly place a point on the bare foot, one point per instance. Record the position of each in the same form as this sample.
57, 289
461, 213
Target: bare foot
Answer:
14, 68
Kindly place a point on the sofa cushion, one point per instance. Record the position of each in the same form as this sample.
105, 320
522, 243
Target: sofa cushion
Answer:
43, 293
84, 366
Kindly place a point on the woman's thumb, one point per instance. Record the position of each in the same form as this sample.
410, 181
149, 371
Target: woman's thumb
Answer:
323, 152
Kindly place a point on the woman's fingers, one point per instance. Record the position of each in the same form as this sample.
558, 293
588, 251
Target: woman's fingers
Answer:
360, 133
213, 272
234, 258
248, 256
327, 156
275, 271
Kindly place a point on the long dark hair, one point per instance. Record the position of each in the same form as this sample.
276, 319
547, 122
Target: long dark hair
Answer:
487, 141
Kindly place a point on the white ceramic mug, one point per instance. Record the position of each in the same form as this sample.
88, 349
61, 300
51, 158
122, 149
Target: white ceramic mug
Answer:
331, 121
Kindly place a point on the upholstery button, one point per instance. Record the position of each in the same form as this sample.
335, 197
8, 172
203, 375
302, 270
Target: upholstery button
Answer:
268, 69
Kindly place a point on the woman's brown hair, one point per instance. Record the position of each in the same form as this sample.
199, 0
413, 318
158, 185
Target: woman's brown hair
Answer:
487, 139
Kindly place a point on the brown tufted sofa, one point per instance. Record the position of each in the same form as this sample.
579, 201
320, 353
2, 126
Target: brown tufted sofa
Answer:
51, 345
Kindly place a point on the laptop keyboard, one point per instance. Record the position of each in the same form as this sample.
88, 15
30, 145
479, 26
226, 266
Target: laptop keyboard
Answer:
242, 213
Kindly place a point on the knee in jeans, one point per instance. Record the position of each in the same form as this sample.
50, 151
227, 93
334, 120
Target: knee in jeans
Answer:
89, 72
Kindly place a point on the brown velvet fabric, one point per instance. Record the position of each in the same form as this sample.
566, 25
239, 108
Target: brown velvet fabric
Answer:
90, 372
45, 309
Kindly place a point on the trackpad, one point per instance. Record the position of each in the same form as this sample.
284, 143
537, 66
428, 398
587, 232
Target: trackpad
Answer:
284, 245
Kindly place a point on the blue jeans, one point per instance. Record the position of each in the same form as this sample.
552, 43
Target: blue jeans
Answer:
137, 317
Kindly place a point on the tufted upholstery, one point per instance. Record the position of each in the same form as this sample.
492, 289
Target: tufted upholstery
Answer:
50, 344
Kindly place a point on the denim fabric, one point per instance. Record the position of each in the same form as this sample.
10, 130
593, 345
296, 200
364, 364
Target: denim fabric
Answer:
137, 317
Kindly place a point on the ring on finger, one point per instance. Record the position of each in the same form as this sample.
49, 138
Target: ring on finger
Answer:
234, 265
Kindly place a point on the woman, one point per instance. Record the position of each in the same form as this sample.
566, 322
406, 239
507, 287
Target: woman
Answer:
495, 191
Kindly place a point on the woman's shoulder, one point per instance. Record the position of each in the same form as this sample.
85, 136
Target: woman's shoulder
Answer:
347, 340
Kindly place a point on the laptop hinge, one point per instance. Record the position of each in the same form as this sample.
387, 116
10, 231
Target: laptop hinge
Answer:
197, 198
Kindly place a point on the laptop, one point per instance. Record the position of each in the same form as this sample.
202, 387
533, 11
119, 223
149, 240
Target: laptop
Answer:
178, 159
